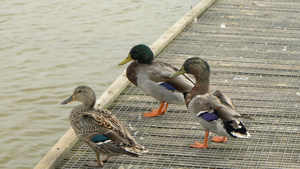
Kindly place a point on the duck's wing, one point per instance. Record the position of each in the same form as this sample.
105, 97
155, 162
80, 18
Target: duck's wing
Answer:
212, 104
161, 71
210, 108
225, 100
102, 125
228, 108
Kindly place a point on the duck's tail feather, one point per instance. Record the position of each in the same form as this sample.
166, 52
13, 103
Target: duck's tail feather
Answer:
136, 149
246, 117
238, 132
117, 149
130, 153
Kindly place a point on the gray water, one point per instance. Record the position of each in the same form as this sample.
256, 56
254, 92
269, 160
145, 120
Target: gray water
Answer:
48, 48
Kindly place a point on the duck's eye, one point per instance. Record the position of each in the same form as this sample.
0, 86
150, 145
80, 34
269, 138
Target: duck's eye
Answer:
79, 91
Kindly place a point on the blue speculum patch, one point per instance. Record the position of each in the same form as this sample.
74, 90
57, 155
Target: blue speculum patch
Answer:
209, 116
168, 86
99, 138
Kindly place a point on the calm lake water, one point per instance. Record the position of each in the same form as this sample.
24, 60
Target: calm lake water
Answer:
48, 48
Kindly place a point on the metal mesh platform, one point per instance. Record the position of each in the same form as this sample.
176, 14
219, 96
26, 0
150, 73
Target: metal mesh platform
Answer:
253, 48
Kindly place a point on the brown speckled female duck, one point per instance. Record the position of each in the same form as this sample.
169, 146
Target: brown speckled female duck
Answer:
100, 129
215, 111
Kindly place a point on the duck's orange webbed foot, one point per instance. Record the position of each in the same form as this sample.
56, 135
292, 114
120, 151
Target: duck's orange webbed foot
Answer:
157, 112
202, 145
199, 145
154, 113
219, 139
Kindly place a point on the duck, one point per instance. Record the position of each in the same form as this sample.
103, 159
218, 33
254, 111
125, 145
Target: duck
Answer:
152, 77
215, 111
99, 128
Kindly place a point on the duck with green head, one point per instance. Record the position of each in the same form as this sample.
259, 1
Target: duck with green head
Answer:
215, 111
100, 129
152, 77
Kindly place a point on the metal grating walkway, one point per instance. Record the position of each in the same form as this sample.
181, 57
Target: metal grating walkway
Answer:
253, 48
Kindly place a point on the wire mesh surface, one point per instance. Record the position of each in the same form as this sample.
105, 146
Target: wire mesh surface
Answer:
253, 48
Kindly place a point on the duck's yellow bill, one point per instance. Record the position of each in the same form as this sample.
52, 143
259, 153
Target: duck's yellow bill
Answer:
128, 59
68, 100
179, 72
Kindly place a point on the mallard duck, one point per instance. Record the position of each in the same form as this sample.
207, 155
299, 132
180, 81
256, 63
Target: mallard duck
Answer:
152, 77
215, 111
100, 129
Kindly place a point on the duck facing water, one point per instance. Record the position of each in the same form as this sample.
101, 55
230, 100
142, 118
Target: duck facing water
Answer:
153, 78
215, 111
100, 129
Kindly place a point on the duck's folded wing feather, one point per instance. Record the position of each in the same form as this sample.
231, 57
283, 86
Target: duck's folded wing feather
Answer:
161, 72
103, 122
227, 107
225, 100
224, 112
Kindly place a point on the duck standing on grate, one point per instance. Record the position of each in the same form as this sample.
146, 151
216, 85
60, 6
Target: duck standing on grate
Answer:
100, 129
153, 78
215, 111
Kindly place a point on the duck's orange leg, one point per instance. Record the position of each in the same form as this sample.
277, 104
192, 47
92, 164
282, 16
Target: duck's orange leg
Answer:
201, 145
219, 139
157, 112
165, 109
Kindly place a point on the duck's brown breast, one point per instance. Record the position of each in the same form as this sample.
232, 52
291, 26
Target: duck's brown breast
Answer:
131, 72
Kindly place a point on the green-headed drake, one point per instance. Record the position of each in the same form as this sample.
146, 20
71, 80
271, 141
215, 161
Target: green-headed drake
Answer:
215, 111
100, 129
152, 77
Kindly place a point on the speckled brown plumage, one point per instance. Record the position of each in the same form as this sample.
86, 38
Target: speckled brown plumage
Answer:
91, 125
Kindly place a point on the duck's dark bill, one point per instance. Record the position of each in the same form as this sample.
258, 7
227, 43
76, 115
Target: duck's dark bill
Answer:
68, 100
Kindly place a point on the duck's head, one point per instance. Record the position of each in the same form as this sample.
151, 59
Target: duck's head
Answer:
83, 94
141, 53
195, 66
